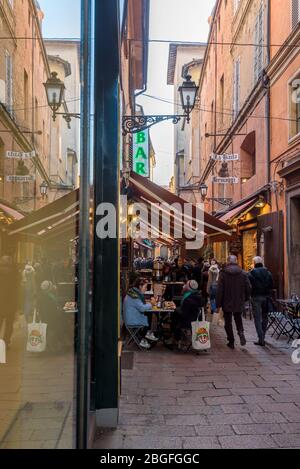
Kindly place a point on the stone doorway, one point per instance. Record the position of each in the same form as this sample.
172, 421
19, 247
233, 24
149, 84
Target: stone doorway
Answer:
294, 251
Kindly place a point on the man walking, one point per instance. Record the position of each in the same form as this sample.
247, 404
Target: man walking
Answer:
262, 284
233, 291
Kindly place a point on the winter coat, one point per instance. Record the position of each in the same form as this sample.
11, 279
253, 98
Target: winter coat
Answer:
234, 289
261, 281
213, 277
134, 309
190, 309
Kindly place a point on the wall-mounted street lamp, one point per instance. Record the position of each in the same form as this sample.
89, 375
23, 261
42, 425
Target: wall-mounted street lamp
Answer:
188, 93
44, 189
203, 190
55, 91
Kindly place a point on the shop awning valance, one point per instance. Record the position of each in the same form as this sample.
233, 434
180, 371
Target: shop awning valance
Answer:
150, 193
50, 220
235, 212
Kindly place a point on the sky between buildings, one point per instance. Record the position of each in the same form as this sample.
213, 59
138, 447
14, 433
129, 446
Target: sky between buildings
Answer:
171, 20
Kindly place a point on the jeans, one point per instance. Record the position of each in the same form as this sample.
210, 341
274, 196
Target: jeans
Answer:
260, 313
228, 325
213, 297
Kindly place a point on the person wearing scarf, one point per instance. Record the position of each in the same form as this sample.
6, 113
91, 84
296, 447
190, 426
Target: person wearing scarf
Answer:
191, 305
135, 309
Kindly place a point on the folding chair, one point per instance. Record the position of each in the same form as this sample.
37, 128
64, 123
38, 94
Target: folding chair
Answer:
133, 332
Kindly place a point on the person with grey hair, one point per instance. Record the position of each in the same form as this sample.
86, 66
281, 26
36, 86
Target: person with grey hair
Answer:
262, 283
233, 291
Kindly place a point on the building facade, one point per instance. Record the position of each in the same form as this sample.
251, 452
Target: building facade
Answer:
185, 59
64, 58
284, 75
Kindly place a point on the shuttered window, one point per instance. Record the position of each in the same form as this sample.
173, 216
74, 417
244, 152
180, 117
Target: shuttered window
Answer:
295, 12
259, 44
8, 82
236, 88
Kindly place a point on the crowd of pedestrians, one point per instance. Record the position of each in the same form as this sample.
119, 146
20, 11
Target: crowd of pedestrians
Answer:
225, 288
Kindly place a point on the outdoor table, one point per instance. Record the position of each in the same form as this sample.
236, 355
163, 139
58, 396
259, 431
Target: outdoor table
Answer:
160, 315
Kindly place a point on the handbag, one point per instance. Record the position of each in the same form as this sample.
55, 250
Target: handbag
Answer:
37, 333
200, 333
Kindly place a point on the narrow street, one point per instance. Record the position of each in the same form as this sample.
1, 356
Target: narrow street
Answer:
242, 398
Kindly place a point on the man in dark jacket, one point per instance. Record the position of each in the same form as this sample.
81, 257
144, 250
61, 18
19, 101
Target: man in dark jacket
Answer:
262, 284
233, 291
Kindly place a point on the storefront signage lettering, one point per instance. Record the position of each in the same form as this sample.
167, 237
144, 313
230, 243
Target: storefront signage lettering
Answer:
230, 180
225, 157
20, 178
20, 155
141, 163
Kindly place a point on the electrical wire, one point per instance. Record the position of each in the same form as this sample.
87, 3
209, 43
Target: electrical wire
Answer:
162, 41
222, 113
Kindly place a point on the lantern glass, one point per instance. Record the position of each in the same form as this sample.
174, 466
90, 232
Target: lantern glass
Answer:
188, 93
203, 190
55, 90
44, 188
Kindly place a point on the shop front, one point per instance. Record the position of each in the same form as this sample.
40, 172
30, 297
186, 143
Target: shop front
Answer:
291, 174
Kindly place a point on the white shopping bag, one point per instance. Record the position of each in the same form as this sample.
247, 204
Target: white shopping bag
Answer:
218, 318
36, 341
200, 334
2, 352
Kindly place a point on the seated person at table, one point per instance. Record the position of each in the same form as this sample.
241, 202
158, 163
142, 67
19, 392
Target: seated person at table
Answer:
135, 309
191, 305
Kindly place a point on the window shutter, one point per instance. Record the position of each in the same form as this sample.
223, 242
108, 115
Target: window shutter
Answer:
9, 82
236, 88
256, 41
295, 13
259, 43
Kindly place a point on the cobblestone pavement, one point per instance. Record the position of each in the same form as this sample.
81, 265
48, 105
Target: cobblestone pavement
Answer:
243, 398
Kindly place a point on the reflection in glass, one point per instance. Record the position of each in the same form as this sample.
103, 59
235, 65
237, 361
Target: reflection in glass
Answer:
39, 209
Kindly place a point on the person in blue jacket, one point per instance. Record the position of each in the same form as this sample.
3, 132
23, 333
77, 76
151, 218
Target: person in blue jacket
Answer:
135, 312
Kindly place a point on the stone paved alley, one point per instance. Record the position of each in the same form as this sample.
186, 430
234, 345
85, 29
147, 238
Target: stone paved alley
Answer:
246, 398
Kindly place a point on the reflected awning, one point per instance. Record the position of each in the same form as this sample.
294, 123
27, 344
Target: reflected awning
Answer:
11, 212
150, 193
53, 219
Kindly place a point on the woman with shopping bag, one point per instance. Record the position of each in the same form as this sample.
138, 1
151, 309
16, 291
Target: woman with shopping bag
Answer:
188, 312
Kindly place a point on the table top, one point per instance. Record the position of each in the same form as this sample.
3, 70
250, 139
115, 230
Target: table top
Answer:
173, 283
161, 310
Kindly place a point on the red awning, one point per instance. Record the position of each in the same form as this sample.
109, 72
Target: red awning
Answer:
11, 212
237, 210
149, 192
50, 220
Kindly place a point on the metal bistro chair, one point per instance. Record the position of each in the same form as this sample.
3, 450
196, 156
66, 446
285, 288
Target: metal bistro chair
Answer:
293, 314
281, 322
133, 332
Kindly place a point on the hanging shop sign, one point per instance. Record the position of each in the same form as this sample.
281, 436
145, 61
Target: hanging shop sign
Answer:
20, 178
20, 155
229, 180
141, 153
225, 157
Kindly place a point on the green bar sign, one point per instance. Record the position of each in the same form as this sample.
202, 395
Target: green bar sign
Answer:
141, 162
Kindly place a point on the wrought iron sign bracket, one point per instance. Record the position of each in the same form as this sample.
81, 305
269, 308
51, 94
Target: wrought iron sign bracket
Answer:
222, 201
135, 124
